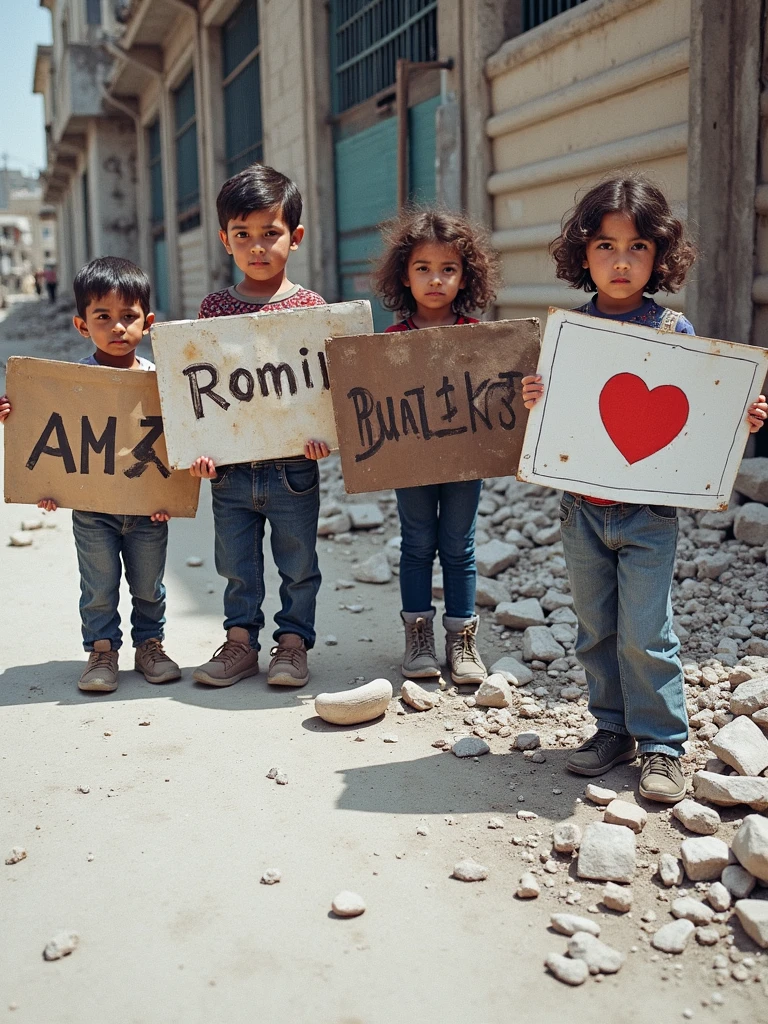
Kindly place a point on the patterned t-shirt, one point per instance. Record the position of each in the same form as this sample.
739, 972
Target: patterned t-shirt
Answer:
649, 314
144, 364
230, 302
409, 325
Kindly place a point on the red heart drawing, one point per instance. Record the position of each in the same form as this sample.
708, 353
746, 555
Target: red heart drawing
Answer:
641, 422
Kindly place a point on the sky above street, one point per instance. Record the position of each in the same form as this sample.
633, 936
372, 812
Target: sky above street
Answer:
23, 24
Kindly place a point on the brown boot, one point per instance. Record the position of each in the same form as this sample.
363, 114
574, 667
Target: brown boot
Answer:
234, 660
154, 664
464, 662
289, 662
100, 675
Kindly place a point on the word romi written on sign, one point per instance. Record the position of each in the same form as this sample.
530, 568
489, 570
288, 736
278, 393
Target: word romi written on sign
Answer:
90, 438
456, 387
245, 388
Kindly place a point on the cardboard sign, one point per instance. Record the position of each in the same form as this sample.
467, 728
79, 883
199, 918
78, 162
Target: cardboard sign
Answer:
250, 387
640, 415
431, 406
90, 438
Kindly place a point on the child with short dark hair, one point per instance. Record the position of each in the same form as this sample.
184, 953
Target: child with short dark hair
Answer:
112, 298
436, 268
622, 241
259, 213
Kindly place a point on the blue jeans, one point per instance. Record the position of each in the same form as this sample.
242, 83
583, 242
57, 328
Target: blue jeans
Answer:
620, 560
247, 496
100, 540
439, 518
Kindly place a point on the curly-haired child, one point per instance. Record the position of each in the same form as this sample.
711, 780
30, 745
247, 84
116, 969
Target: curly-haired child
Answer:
436, 269
620, 242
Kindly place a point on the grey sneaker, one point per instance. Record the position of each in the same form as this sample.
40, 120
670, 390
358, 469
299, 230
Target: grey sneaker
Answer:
289, 662
234, 660
420, 660
661, 778
100, 675
154, 664
601, 752
464, 663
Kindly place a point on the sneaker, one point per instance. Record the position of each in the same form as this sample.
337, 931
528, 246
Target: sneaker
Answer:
601, 752
234, 660
289, 662
100, 675
420, 659
154, 664
661, 778
464, 663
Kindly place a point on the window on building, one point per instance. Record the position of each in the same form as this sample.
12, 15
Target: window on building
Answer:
368, 36
86, 216
157, 218
93, 12
242, 88
187, 178
536, 12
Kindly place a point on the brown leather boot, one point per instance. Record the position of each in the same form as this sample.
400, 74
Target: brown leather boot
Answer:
234, 660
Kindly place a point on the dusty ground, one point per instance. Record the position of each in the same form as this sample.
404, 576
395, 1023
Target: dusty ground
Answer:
158, 866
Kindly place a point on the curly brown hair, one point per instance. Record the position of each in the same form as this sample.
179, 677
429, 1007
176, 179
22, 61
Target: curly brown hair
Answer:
641, 199
415, 226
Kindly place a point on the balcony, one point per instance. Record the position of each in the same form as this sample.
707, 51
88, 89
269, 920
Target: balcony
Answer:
78, 83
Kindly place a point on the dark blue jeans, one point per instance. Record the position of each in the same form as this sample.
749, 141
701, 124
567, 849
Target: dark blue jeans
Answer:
439, 519
101, 539
287, 496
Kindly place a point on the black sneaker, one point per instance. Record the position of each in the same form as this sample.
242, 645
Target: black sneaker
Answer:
661, 778
601, 752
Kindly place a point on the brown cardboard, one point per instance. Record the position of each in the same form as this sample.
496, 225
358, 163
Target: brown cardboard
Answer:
433, 405
90, 438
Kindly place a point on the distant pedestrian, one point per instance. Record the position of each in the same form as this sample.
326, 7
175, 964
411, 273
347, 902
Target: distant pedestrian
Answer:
51, 281
39, 282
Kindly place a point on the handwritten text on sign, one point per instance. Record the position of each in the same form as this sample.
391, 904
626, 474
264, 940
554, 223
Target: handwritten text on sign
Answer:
245, 388
90, 438
433, 405
634, 414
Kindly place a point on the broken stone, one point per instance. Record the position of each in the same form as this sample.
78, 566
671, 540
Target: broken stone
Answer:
566, 837
509, 666
599, 795
750, 845
599, 957
361, 704
621, 812
194, 561
490, 593
20, 540
540, 645
673, 937
670, 870
692, 910
696, 817
348, 904
750, 696
742, 745
469, 870
281, 778
389, 738
753, 916
417, 697
528, 888
527, 741
729, 790
495, 556
617, 897
494, 692
375, 569
62, 944
704, 858
17, 854
334, 524
751, 524
569, 924
738, 881
494, 823
718, 897
271, 876
470, 746
570, 972
607, 853
520, 614
707, 935
365, 517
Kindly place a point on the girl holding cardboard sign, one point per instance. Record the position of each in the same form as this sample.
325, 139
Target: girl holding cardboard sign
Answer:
622, 241
435, 269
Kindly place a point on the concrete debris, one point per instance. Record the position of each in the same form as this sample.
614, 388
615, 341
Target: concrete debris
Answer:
607, 853
704, 858
271, 876
348, 904
742, 745
375, 569
569, 924
750, 845
469, 870
673, 937
62, 944
753, 916
494, 692
696, 817
571, 972
18, 853
566, 837
417, 697
621, 812
599, 795
599, 957
528, 888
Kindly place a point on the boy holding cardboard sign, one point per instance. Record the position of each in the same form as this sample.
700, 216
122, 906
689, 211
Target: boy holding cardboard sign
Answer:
259, 212
112, 297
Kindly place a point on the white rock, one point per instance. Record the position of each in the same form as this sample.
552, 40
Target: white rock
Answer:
375, 569
718, 897
607, 853
469, 870
333, 524
622, 812
365, 517
751, 524
753, 915
18, 853
509, 666
750, 844
750, 696
566, 837
490, 593
494, 692
571, 972
495, 556
752, 479
617, 897
703, 858
527, 741
670, 870
20, 540
271, 876
553, 600
738, 881
569, 924
761, 718
417, 697
692, 910
599, 958
470, 746
673, 937
742, 745
696, 817
707, 935
32, 524
710, 567
730, 790
62, 944
348, 904
520, 614
540, 645
529, 887
599, 795
361, 704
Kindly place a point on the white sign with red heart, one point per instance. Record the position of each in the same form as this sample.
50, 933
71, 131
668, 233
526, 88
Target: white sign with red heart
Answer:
634, 414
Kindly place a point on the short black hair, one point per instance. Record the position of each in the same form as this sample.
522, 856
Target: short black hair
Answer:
111, 274
259, 187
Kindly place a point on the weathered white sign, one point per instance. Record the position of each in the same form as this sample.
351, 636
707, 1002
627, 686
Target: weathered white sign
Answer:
251, 387
634, 414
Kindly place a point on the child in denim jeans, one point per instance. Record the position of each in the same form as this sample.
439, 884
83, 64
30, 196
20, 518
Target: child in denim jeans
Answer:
112, 298
622, 241
259, 212
436, 268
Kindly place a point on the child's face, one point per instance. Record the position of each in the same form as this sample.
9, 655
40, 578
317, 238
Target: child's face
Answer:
261, 243
619, 261
114, 325
434, 274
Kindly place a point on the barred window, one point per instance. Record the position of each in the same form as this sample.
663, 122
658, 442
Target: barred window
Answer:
187, 177
536, 12
243, 136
